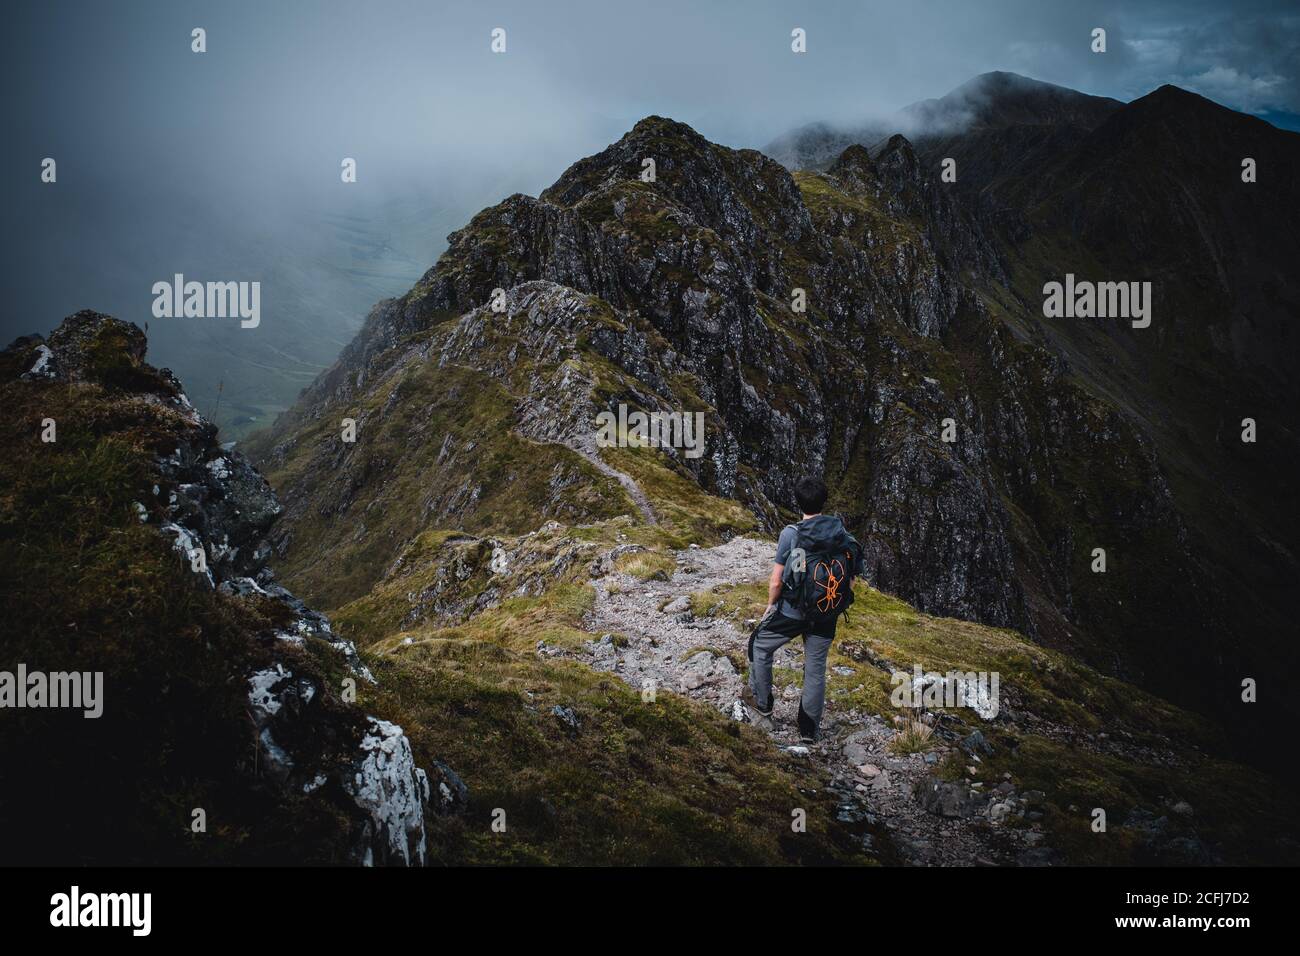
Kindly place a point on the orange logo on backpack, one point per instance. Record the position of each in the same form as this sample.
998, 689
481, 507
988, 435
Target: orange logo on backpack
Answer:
824, 577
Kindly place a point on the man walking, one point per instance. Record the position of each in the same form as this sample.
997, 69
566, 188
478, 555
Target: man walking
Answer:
810, 586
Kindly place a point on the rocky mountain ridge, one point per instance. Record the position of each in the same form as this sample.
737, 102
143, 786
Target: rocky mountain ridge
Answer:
913, 320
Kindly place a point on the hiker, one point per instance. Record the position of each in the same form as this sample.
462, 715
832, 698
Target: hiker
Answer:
810, 587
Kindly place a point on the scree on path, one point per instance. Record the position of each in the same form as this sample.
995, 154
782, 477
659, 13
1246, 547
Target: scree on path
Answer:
645, 631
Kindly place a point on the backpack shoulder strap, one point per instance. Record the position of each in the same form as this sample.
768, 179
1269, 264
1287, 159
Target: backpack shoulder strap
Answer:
795, 562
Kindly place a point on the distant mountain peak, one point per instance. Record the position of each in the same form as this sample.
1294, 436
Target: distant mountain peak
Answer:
1189, 111
1005, 79
995, 100
1169, 96
1001, 99
661, 139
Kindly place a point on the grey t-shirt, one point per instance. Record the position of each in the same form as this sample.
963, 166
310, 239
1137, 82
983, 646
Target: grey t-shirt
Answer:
784, 544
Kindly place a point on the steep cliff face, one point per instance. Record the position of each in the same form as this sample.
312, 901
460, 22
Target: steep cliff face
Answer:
1191, 197
1155, 191
973, 461
133, 546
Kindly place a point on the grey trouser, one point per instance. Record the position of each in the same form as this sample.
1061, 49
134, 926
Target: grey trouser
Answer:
773, 634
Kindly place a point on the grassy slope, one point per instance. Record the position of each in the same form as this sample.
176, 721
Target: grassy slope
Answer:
397, 479
637, 782
667, 781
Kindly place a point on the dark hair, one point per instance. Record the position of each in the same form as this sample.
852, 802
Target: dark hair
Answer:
810, 493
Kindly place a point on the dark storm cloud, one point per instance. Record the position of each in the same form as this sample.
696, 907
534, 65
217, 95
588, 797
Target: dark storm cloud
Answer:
1249, 60
412, 85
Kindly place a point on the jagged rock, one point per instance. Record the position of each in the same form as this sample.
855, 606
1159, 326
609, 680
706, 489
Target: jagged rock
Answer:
677, 605
567, 716
943, 798
855, 753
394, 791
700, 669
449, 793
735, 211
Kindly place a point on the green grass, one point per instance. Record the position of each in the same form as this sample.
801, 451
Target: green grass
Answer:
646, 565
496, 481
687, 512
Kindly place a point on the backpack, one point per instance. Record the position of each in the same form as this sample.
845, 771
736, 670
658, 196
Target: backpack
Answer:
819, 573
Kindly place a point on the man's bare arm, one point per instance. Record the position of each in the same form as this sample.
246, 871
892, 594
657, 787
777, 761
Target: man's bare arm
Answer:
774, 588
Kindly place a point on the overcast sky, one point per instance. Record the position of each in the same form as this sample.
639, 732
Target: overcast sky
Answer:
161, 149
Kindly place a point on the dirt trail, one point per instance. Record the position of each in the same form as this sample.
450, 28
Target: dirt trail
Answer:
704, 659
623, 478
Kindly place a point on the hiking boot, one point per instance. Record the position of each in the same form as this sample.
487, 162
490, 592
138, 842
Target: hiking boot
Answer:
807, 728
757, 716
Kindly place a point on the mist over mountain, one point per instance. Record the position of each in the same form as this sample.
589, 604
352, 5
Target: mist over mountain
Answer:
229, 169
996, 101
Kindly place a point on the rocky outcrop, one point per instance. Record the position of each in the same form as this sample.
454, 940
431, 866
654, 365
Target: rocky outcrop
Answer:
215, 509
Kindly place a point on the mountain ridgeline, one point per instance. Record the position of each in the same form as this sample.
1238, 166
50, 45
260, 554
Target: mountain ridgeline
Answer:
861, 319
